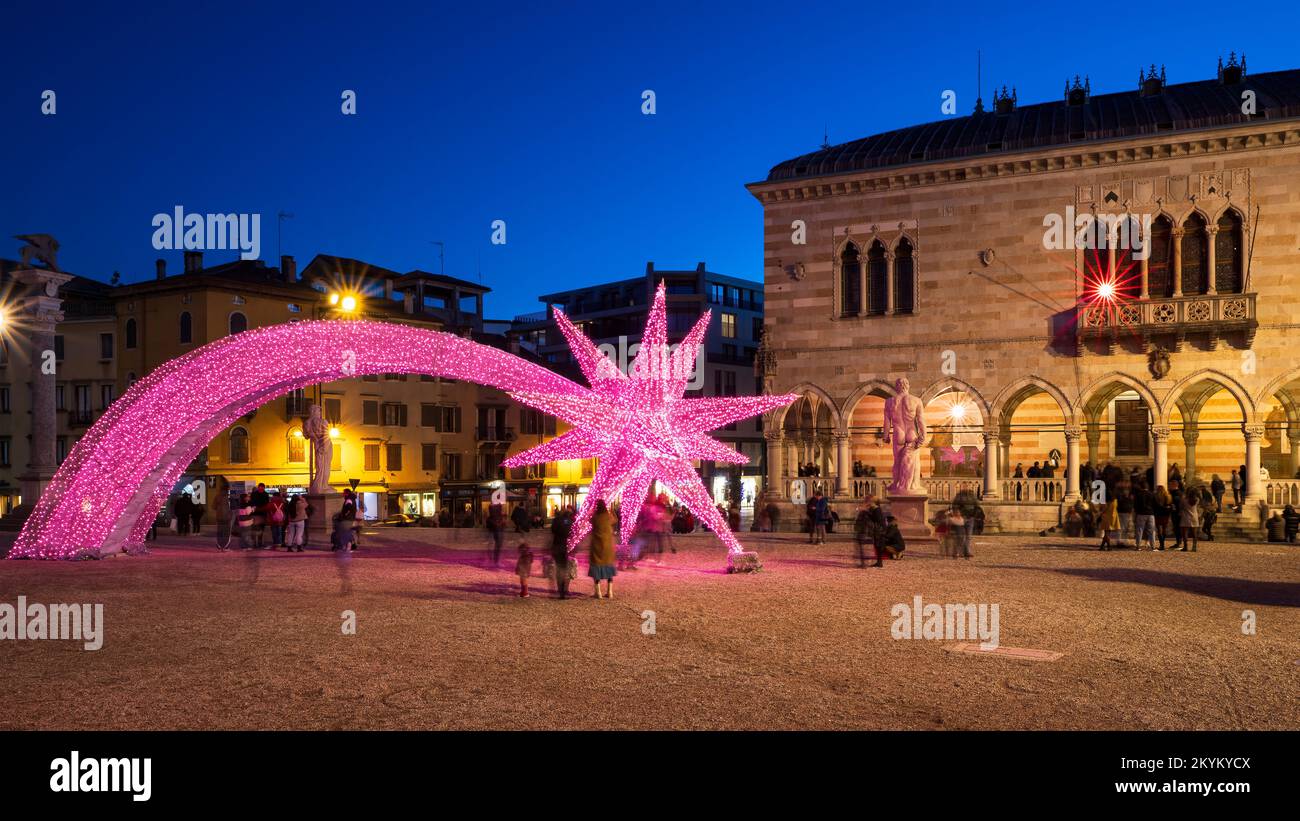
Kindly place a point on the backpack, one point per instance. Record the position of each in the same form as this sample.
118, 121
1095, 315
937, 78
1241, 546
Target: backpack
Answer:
277, 516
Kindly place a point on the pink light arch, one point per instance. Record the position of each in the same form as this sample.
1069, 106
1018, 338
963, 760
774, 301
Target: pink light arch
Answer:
108, 491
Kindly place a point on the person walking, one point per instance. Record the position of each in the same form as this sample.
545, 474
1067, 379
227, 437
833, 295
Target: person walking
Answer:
1109, 524
561, 526
524, 568
181, 514
602, 556
1217, 489
1164, 508
1176, 512
1237, 484
296, 515
496, 525
866, 527
1144, 517
968, 508
196, 516
1190, 520
1124, 504
520, 519
821, 516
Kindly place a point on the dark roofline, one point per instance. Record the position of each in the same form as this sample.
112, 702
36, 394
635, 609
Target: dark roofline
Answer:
1173, 109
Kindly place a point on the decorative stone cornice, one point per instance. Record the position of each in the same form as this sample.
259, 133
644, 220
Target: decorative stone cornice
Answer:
1206, 142
1160, 433
1073, 432
1253, 431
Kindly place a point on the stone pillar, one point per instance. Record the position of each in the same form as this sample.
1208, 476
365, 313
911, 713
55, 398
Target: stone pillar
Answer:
889, 283
1146, 288
1177, 235
1093, 433
39, 313
775, 466
991, 465
1293, 436
1072, 434
1160, 435
1189, 449
1210, 231
1254, 488
842, 470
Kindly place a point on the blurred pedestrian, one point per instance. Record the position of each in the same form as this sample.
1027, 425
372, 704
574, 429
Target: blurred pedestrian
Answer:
524, 568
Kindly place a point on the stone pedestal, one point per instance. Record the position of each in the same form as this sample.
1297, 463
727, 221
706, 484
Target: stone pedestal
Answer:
321, 520
909, 511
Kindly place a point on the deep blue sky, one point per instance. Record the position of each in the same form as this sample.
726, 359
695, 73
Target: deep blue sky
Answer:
516, 113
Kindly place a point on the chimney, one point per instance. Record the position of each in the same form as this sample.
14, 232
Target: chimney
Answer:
288, 268
193, 261
160, 268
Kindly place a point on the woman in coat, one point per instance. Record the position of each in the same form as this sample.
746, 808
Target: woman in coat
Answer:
602, 557
1110, 524
1190, 519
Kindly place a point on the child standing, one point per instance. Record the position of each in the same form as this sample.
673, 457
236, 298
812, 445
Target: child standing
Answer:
524, 567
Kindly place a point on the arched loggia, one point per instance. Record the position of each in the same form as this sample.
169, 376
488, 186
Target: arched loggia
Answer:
108, 490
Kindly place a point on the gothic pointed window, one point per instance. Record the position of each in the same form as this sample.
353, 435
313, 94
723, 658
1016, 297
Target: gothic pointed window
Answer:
1160, 282
850, 281
1195, 251
877, 279
904, 278
1228, 268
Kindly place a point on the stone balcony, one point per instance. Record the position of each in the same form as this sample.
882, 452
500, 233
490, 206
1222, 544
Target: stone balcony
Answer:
1173, 318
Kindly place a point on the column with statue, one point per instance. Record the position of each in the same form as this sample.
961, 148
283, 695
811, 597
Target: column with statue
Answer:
324, 500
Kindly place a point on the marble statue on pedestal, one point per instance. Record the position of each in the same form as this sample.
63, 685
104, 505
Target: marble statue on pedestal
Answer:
905, 429
317, 431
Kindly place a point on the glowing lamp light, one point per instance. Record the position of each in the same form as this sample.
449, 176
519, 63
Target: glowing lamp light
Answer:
297, 433
334, 433
349, 303
334, 299
1106, 290
958, 412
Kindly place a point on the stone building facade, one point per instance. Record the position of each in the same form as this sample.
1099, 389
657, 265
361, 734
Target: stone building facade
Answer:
929, 253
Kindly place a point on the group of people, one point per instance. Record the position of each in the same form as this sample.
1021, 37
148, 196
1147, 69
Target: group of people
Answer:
604, 557
1045, 470
286, 516
188, 514
876, 528
1133, 512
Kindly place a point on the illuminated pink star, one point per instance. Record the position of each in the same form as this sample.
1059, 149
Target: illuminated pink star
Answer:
640, 426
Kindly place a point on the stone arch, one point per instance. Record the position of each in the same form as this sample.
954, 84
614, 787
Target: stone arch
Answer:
1104, 388
778, 415
1006, 401
952, 383
108, 490
1244, 400
873, 387
1276, 386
